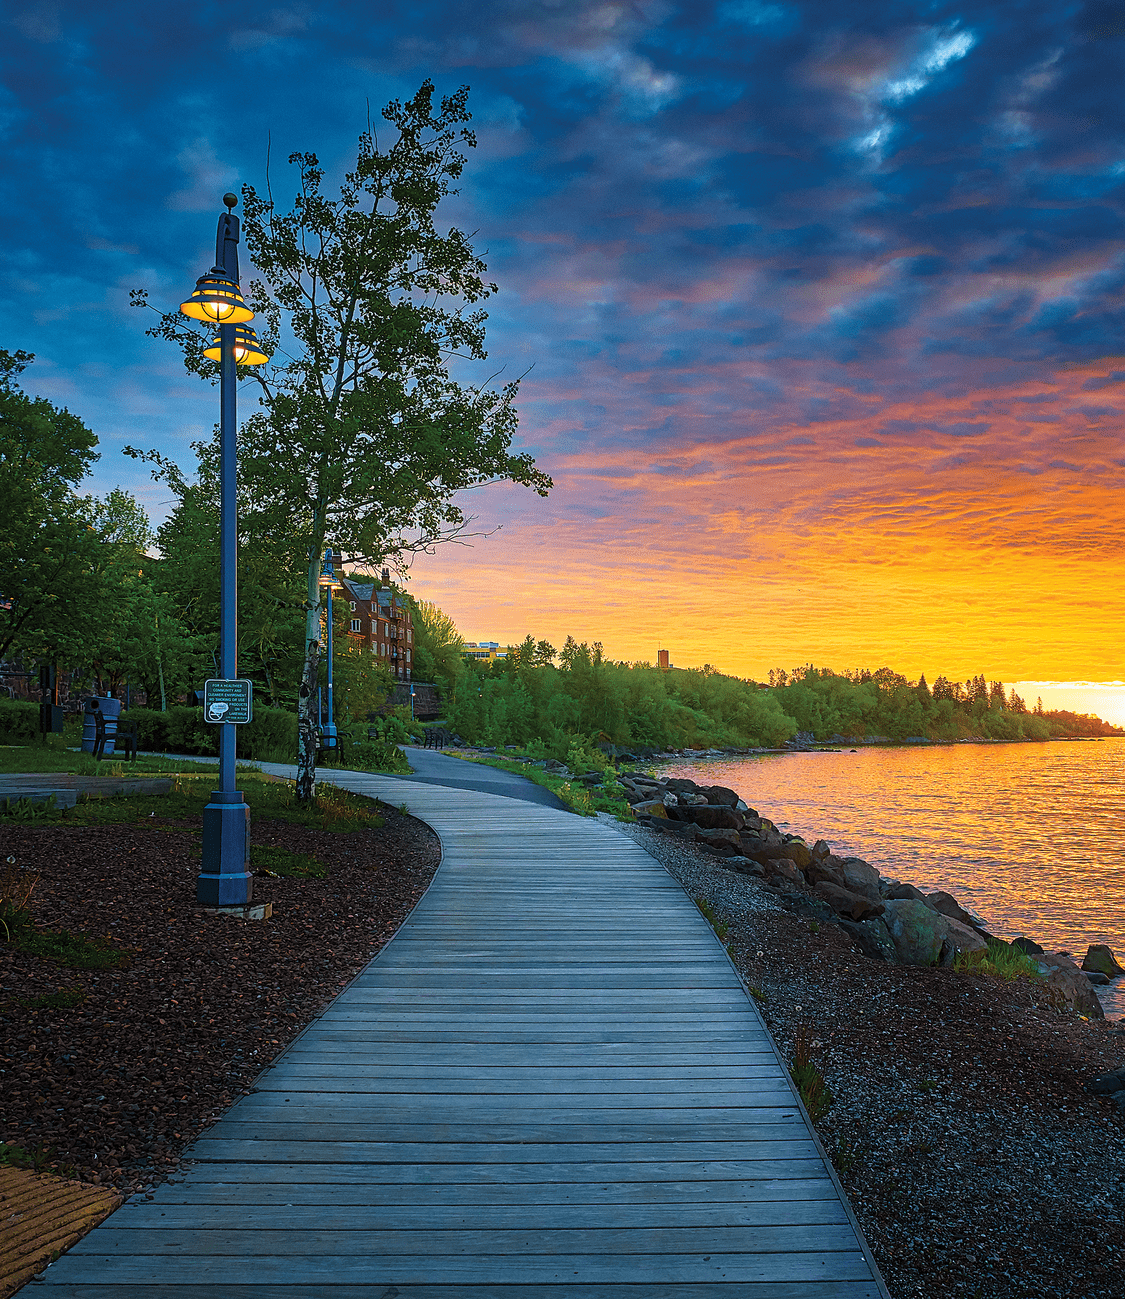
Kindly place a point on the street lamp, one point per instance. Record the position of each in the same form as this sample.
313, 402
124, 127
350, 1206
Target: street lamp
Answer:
225, 879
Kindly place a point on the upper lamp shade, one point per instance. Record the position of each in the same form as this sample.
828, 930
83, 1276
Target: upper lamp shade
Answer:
247, 349
217, 298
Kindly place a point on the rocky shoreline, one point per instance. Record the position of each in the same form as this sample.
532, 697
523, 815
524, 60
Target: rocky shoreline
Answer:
887, 919
975, 1122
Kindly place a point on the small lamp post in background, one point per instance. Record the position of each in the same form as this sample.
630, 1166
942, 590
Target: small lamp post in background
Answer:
329, 737
225, 878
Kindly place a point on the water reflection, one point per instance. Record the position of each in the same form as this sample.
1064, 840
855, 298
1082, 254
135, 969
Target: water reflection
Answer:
1028, 835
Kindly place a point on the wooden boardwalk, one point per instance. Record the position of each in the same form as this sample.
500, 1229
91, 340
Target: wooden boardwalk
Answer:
550, 1083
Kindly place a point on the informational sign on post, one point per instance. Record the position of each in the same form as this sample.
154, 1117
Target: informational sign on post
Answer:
228, 701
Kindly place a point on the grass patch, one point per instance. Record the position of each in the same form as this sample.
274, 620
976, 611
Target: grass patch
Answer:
13, 1156
65, 1000
296, 865
375, 755
75, 951
809, 1081
585, 801
711, 916
1000, 960
58, 758
269, 799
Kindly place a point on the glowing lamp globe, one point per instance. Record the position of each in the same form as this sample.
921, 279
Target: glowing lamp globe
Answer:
217, 298
247, 349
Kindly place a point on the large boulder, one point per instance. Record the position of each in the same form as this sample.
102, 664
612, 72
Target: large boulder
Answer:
820, 850
821, 869
845, 903
959, 938
797, 850
1101, 960
917, 932
781, 868
723, 841
897, 892
763, 847
744, 866
715, 816
720, 794
650, 807
803, 904
948, 905
677, 829
1069, 984
872, 938
861, 877
1107, 1083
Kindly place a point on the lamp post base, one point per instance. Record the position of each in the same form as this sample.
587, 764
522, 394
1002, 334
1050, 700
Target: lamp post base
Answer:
225, 880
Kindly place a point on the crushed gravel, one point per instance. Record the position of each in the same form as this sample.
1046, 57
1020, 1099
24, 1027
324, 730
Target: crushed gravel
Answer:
976, 1163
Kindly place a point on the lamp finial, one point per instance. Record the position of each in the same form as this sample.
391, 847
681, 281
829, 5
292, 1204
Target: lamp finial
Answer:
231, 200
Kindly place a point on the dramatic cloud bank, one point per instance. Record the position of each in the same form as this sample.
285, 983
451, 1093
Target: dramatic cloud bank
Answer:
823, 305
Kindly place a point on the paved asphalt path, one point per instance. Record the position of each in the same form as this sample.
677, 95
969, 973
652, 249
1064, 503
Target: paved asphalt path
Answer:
433, 768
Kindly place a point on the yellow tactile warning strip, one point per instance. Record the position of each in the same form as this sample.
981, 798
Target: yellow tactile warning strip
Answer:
40, 1216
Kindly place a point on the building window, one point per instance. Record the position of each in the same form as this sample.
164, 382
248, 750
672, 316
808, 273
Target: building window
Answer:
353, 606
356, 624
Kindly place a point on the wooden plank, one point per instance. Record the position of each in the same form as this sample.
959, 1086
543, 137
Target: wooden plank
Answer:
522, 1217
597, 1269
298, 1107
618, 1166
773, 1289
296, 1239
435, 1083
670, 1195
781, 1155
525, 1077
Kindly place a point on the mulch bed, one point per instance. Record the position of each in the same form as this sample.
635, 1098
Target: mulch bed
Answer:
112, 1090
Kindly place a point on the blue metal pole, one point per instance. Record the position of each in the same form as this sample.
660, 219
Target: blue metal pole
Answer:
225, 879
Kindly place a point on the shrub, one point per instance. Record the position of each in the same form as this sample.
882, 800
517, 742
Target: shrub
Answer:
1000, 959
270, 735
19, 721
378, 755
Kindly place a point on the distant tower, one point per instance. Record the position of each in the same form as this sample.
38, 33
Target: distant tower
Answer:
662, 659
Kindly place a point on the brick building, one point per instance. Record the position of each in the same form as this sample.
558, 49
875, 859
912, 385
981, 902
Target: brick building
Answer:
381, 621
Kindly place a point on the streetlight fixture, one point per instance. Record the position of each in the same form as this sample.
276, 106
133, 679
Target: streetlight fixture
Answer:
225, 879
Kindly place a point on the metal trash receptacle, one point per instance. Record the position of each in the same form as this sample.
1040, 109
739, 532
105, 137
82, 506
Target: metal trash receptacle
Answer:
110, 709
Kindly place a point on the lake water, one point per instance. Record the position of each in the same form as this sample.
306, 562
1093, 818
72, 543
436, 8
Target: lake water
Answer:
1029, 836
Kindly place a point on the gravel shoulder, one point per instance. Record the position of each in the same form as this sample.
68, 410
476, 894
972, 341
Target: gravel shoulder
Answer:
975, 1162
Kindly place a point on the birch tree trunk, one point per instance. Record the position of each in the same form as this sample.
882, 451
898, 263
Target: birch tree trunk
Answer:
307, 738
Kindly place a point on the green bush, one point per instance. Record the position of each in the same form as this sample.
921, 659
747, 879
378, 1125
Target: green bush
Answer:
19, 722
271, 735
378, 755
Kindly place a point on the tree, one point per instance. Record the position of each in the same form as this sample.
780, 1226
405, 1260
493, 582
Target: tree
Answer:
364, 438
438, 647
47, 543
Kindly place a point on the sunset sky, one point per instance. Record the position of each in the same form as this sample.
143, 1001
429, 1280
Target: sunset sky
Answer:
822, 305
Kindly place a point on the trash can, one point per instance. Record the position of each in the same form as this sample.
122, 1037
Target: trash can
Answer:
109, 709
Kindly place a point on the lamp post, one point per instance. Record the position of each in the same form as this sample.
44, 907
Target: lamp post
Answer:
328, 733
225, 878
